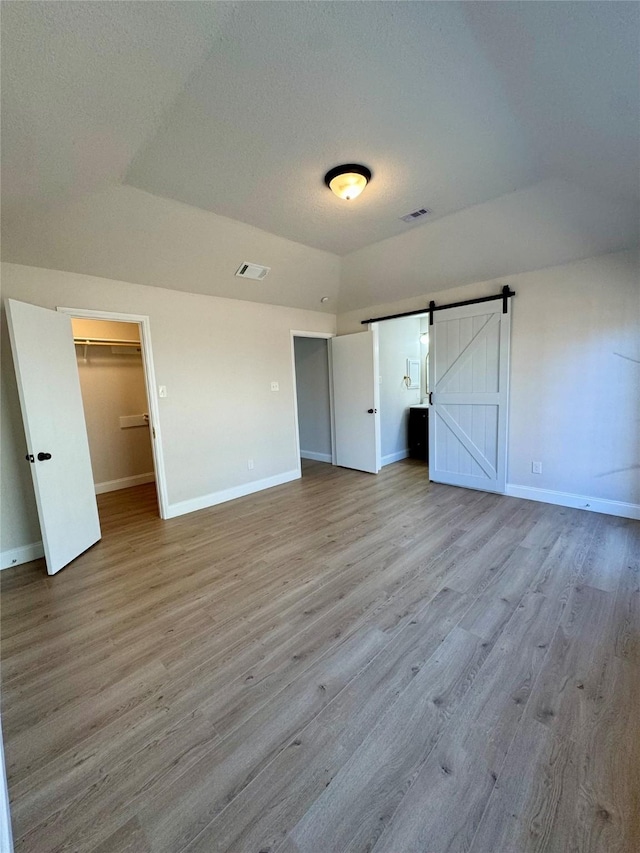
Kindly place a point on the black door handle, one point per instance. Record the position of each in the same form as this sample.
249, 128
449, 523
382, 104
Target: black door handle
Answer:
371, 411
42, 457
29, 457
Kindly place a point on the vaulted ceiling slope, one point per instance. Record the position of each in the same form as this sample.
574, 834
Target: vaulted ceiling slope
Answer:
136, 137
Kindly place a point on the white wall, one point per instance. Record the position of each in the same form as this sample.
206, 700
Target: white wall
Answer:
398, 340
217, 358
112, 385
575, 379
126, 234
548, 223
312, 387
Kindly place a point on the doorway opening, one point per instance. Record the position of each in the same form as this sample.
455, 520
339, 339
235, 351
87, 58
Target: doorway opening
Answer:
117, 381
116, 408
313, 399
404, 412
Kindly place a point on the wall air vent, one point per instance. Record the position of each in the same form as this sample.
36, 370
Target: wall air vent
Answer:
417, 214
254, 271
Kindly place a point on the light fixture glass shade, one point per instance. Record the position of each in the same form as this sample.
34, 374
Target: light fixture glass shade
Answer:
347, 182
348, 186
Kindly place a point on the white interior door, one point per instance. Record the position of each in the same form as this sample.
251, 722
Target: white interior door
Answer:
469, 381
54, 425
354, 369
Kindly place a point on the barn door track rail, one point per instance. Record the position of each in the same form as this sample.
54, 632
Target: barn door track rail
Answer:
505, 294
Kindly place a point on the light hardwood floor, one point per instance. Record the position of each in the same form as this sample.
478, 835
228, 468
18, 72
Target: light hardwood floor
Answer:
343, 663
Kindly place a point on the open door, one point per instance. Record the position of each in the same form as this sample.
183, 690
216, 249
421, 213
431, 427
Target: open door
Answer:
58, 449
469, 381
354, 368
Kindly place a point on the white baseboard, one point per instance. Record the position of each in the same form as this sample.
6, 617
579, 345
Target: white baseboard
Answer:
316, 457
547, 496
24, 554
394, 457
34, 551
225, 495
124, 483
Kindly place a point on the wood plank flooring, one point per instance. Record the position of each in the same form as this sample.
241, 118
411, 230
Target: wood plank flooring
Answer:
342, 663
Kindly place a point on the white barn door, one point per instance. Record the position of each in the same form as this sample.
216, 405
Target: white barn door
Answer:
58, 449
469, 381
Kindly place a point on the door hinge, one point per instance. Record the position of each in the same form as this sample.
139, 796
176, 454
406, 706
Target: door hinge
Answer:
153, 430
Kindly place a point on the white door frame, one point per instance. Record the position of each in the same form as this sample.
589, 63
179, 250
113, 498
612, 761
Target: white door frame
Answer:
143, 322
294, 333
6, 837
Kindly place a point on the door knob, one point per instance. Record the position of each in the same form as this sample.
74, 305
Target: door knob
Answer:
29, 457
42, 457
371, 411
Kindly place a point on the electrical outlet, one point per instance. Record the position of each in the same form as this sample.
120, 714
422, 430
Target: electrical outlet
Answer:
536, 467
250, 464
275, 386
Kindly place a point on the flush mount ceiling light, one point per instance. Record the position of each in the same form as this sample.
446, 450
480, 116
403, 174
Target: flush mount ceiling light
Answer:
348, 181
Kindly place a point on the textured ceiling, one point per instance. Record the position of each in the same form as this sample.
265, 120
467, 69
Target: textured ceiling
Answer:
238, 109
294, 89
449, 104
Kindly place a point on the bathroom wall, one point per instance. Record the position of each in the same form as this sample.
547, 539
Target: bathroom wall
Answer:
398, 341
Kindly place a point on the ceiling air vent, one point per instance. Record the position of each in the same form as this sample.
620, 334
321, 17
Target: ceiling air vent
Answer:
417, 214
254, 271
